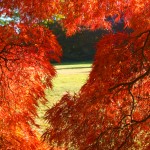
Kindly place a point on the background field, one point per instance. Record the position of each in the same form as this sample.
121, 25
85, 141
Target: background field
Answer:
70, 77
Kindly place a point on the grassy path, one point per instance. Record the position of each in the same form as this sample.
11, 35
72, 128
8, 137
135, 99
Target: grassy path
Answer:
70, 77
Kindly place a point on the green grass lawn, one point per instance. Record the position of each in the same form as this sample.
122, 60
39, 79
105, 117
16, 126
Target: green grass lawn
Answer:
70, 78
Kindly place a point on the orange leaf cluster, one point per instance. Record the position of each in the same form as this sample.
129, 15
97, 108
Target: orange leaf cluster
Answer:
25, 73
111, 111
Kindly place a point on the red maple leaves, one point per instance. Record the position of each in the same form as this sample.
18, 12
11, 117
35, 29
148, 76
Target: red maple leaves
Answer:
25, 73
112, 108
111, 111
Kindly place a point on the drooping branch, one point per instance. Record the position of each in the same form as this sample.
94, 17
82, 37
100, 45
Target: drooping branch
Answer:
127, 137
131, 82
142, 33
133, 102
145, 43
143, 120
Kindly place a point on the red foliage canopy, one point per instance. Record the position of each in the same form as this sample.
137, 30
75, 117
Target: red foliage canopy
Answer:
111, 111
26, 49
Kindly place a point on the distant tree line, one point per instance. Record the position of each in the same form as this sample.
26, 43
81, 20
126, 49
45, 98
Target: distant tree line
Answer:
78, 47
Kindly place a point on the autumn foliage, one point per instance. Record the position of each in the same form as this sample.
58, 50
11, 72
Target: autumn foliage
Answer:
25, 72
111, 111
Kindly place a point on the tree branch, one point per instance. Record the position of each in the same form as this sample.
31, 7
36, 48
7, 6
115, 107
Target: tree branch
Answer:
131, 82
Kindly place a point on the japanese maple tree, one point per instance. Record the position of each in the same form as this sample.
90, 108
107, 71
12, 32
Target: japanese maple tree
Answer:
112, 110
26, 48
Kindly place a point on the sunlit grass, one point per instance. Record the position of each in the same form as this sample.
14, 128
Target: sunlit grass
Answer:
65, 83
70, 78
